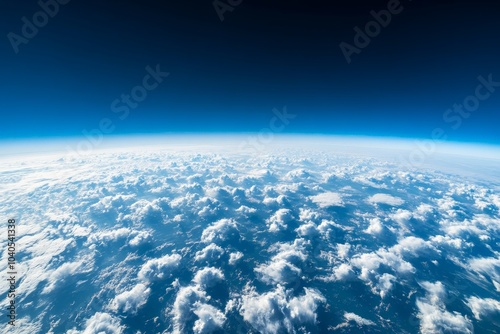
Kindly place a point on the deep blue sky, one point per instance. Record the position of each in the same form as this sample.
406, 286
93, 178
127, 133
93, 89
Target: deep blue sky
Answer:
228, 76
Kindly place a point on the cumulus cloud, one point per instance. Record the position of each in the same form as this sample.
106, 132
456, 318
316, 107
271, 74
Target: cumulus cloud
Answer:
342, 272
209, 319
375, 226
277, 311
308, 215
191, 304
279, 271
235, 257
393, 257
131, 301
449, 242
308, 230
210, 253
385, 199
145, 212
208, 277
489, 266
135, 237
58, 276
369, 265
384, 284
355, 319
279, 220
284, 266
372, 261
140, 238
103, 323
483, 307
246, 210
159, 268
434, 318
221, 230
182, 310
111, 235
412, 246
328, 199
343, 250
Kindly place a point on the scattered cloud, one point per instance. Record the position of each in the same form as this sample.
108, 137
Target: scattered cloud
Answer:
434, 318
208, 277
132, 300
385, 199
159, 268
353, 318
277, 311
328, 199
219, 231
483, 307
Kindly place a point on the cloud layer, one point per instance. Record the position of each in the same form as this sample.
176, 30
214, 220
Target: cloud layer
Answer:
163, 241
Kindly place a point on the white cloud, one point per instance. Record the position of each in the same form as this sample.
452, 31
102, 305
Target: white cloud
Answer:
191, 304
131, 301
182, 310
235, 257
385, 199
58, 276
246, 210
483, 307
140, 238
119, 234
369, 264
328, 199
343, 250
384, 284
159, 268
145, 212
303, 308
434, 318
210, 253
279, 220
103, 323
372, 261
279, 271
360, 321
307, 230
497, 285
375, 226
326, 228
41, 248
111, 235
298, 175
446, 240
221, 230
308, 215
412, 245
342, 272
489, 266
284, 266
276, 311
209, 319
208, 277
